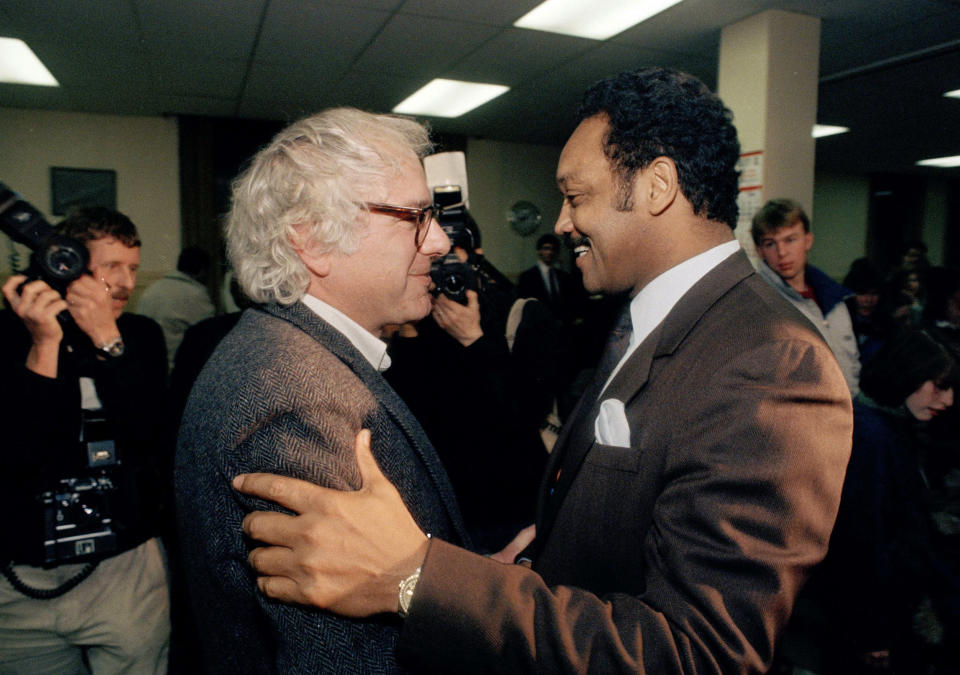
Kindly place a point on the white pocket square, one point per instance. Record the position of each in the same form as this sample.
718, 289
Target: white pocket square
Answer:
611, 427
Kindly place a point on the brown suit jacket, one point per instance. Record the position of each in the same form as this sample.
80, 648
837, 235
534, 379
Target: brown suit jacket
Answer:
683, 552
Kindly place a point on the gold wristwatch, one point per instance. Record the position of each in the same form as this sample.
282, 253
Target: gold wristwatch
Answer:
407, 586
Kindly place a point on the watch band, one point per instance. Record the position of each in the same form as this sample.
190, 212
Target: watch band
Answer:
407, 587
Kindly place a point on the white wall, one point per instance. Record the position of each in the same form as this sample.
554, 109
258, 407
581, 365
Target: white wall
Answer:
142, 150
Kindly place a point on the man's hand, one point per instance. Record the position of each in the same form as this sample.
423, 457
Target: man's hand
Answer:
344, 551
462, 322
90, 302
37, 305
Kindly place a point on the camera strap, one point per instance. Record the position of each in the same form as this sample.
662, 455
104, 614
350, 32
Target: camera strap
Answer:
47, 593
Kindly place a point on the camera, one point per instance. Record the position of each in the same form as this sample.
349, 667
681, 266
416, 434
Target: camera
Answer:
452, 276
56, 259
77, 514
76, 519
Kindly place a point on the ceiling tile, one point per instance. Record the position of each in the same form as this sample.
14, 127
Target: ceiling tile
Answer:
516, 55
421, 46
297, 32
222, 28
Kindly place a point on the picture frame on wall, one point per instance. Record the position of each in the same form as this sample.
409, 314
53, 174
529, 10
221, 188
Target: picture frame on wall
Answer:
72, 188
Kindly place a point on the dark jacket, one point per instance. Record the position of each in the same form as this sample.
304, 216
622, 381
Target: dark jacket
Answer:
286, 393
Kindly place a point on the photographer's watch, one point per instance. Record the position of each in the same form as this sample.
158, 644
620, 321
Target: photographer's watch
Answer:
114, 348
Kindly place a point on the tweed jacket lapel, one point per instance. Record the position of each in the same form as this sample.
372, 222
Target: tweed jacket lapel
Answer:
578, 437
308, 321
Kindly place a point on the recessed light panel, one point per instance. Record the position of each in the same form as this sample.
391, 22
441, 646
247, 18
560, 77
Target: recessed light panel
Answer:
595, 19
19, 65
448, 98
942, 162
821, 130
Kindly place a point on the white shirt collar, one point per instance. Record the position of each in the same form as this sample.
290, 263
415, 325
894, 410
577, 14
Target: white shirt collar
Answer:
652, 304
544, 273
369, 345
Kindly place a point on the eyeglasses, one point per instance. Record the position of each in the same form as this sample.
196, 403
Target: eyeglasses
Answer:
421, 217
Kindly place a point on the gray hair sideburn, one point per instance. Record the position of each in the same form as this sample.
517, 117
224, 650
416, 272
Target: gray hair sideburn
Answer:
314, 175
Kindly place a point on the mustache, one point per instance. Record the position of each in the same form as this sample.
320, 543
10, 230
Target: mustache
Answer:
572, 242
120, 295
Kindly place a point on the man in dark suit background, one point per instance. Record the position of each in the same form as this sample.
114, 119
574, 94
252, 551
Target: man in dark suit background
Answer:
550, 285
332, 231
692, 489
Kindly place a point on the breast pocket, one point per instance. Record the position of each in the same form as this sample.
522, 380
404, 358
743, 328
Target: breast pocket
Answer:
613, 458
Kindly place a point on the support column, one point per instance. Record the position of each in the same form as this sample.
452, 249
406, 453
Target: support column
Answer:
768, 73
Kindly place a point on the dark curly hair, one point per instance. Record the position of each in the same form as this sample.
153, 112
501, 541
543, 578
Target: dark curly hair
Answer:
656, 112
904, 363
96, 222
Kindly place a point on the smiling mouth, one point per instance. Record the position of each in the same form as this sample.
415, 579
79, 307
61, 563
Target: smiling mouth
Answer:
581, 246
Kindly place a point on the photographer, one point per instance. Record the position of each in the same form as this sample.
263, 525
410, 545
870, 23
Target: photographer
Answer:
481, 385
80, 409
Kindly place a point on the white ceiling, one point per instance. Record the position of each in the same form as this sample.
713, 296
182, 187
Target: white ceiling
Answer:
884, 63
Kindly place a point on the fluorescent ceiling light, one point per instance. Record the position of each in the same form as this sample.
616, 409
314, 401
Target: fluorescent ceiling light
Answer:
19, 65
449, 98
821, 130
596, 19
952, 94
944, 162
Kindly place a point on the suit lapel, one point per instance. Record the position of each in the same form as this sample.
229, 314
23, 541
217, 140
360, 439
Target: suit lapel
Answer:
578, 437
309, 322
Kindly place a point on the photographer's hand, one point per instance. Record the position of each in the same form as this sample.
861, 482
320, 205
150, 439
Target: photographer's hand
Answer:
37, 305
91, 305
462, 322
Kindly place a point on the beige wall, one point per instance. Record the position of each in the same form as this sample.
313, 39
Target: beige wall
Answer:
934, 233
840, 207
142, 150
499, 175
839, 221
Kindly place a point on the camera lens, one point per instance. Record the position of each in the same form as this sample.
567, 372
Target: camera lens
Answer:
64, 260
454, 283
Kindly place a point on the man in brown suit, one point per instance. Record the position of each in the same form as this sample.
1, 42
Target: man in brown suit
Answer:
694, 487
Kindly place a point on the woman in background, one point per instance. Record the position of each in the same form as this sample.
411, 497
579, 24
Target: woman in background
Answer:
888, 583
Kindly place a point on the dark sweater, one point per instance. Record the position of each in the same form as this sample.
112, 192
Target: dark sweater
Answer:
41, 418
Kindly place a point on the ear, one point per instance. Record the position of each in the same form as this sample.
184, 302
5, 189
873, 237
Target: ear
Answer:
662, 184
808, 241
312, 255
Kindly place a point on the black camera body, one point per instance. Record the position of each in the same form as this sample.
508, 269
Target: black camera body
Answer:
56, 259
77, 513
450, 275
77, 524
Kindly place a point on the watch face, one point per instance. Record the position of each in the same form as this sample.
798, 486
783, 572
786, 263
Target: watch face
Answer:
524, 217
115, 348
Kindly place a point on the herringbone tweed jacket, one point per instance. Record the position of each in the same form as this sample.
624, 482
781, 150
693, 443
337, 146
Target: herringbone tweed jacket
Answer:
286, 393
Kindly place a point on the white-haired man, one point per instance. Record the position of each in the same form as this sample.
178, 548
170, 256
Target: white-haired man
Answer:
332, 231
